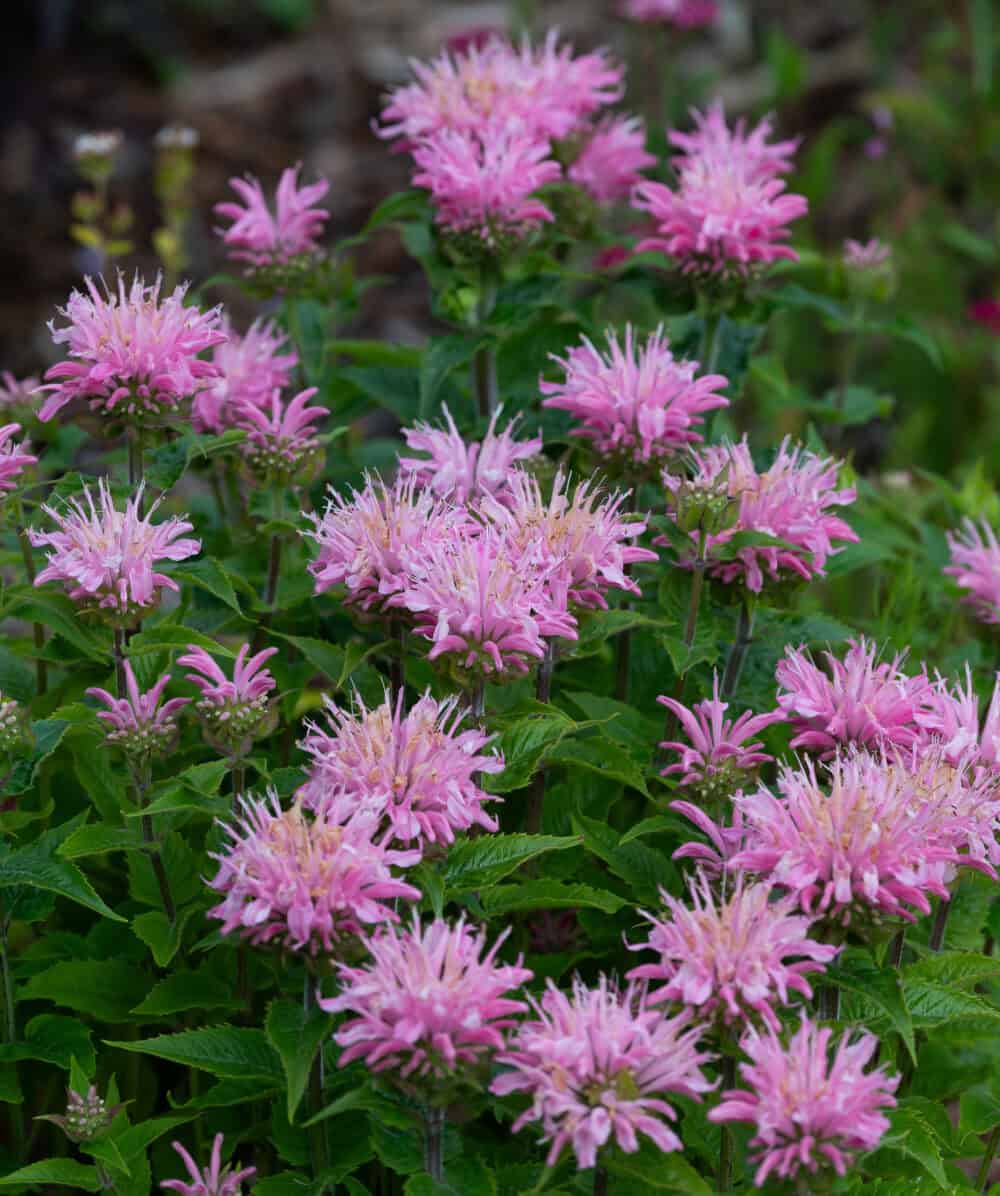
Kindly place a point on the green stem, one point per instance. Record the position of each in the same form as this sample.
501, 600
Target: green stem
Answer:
477, 701
38, 631
829, 1002
239, 778
850, 357
600, 1181
484, 363
986, 1166
708, 350
434, 1120
136, 464
940, 924
270, 593
738, 651
397, 658
318, 1145
10, 1021
725, 1176
895, 956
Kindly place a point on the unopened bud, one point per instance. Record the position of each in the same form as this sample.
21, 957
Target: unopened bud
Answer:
95, 153
15, 732
86, 1118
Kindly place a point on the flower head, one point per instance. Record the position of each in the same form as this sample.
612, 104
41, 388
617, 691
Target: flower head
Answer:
975, 565
733, 957
682, 14
274, 239
597, 1065
131, 353
861, 700
306, 882
718, 747
15, 457
637, 401
233, 711
612, 158
282, 439
791, 501
986, 313
88, 1116
432, 1004
463, 471
214, 1180
251, 368
810, 1111
15, 727
867, 255
20, 397
949, 719
729, 213
136, 722
107, 558
418, 769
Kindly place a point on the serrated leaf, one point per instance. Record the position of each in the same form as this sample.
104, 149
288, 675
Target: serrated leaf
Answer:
47, 734
914, 1136
980, 1109
324, 657
646, 870
856, 971
958, 969
229, 1052
649, 1170
168, 638
107, 989
476, 863
99, 838
66, 1173
137, 1138
397, 388
57, 613
185, 990
603, 758
296, 1034
34, 867
105, 1150
51, 1038
526, 735
504, 900
160, 935
442, 355
209, 575
463, 1177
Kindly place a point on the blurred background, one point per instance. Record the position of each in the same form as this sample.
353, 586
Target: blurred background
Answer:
896, 105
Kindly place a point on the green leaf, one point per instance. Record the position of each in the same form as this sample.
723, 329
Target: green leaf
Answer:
65, 1173
229, 1052
17, 680
324, 657
47, 735
396, 388
34, 867
57, 613
464, 1176
603, 758
50, 1038
107, 989
296, 1035
137, 1138
403, 205
856, 971
526, 734
166, 465
646, 870
185, 990
548, 894
478, 863
208, 574
956, 969
168, 638
442, 355
980, 1109
917, 1138
105, 1150
649, 1170
99, 838
160, 935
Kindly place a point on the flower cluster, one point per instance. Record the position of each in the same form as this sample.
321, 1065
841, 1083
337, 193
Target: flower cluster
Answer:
285, 237
233, 712
15, 457
214, 1180
282, 440
136, 722
251, 368
975, 565
612, 159
88, 1115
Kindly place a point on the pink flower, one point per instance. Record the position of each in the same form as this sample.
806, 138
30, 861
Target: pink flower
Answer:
251, 368
718, 746
810, 1111
483, 606
866, 256
106, 558
367, 539
579, 536
15, 457
637, 402
131, 354
724, 842
949, 718
263, 238
306, 882
232, 711
282, 439
985, 313
615, 153
729, 213
859, 701
462, 471
683, 14
790, 501
215, 1180
597, 1064
137, 723
417, 769
481, 181
18, 395
989, 740
732, 958
432, 1003
975, 565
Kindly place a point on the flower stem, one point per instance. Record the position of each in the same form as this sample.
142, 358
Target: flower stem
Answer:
10, 1022
708, 350
136, 465
477, 701
940, 924
600, 1181
434, 1120
318, 1144
829, 1002
238, 775
986, 1166
895, 956
543, 692
484, 363
37, 629
725, 1176
270, 592
690, 630
738, 651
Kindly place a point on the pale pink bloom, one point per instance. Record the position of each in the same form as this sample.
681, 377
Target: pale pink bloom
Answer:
214, 1180
464, 471
19, 395
729, 213
481, 604
867, 255
975, 565
877, 845
232, 710
482, 181
15, 456
106, 558
367, 539
790, 501
733, 957
251, 368
597, 1065
136, 722
716, 745
612, 159
130, 353
637, 401
810, 1111
860, 700
306, 882
418, 769
431, 1004
989, 740
949, 718
682, 14
578, 535
724, 842
282, 438
265, 238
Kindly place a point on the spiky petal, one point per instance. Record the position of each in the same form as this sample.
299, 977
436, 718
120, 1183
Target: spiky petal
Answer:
264, 237
975, 565
136, 722
612, 159
251, 368
213, 1180
15, 456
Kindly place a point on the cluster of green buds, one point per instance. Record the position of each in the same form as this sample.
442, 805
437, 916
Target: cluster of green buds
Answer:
698, 507
87, 1116
15, 730
97, 224
175, 148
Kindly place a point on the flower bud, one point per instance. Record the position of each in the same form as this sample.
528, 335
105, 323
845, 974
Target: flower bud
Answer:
86, 1118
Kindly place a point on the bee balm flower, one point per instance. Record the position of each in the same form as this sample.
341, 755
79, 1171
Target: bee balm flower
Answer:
975, 565
214, 1180
274, 239
615, 153
251, 368
137, 723
15, 457
682, 14
233, 711
282, 440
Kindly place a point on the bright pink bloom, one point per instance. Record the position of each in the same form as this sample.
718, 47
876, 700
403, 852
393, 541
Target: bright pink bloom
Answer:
732, 958
215, 1180
306, 882
717, 745
251, 368
15, 457
137, 723
790, 501
282, 438
637, 402
579, 536
106, 558
233, 711
481, 182
431, 1003
682, 14
985, 313
417, 769
810, 1111
859, 701
462, 471
367, 539
612, 159
265, 238
480, 603
131, 354
597, 1065
728, 213
866, 255
949, 718
975, 565
724, 842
